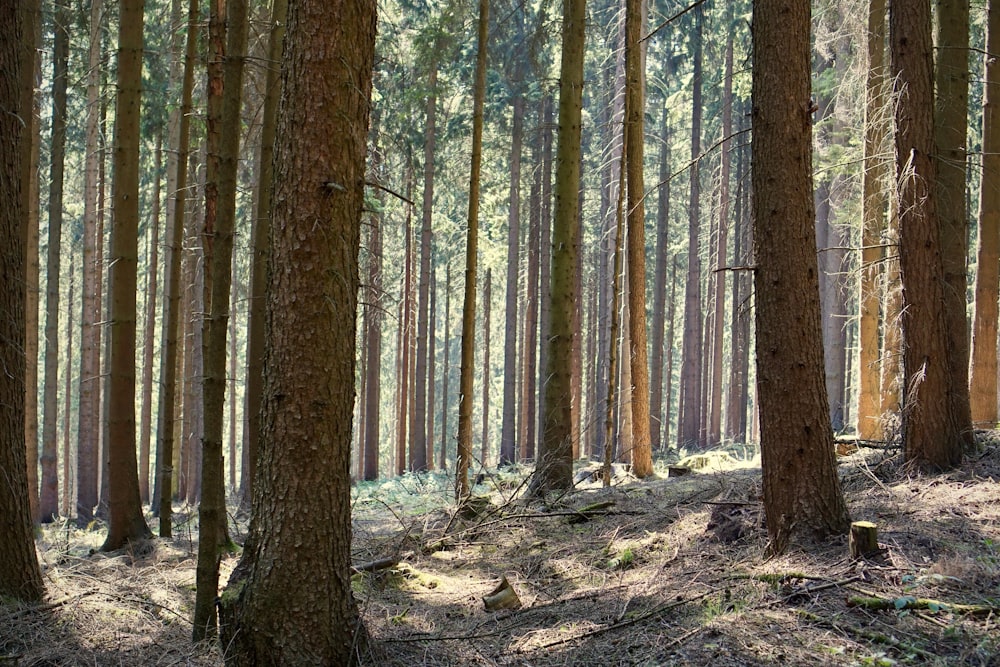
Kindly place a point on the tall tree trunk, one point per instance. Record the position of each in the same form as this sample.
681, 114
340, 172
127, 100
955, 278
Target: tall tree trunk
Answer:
801, 488
49, 498
873, 222
530, 347
669, 390
225, 85
642, 456
544, 273
126, 522
87, 445
690, 415
20, 576
508, 432
471, 256
983, 365
555, 469
932, 432
146, 418
721, 263
65, 503
443, 457
289, 600
31, 148
373, 330
429, 443
951, 106
404, 407
261, 254
172, 323
484, 452
658, 416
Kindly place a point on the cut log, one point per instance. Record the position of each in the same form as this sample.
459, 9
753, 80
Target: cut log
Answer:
863, 540
502, 597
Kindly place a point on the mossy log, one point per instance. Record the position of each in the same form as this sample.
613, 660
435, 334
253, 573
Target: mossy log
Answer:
909, 602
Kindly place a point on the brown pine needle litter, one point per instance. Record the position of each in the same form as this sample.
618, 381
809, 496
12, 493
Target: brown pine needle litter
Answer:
670, 571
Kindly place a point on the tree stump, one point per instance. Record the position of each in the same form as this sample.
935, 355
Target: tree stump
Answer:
502, 597
863, 540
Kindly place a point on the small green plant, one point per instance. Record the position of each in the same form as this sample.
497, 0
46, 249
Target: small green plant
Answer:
622, 561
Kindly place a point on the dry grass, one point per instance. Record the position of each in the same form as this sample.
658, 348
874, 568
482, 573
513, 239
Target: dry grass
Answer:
669, 571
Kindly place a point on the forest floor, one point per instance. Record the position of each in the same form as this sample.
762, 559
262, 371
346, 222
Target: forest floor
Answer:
667, 571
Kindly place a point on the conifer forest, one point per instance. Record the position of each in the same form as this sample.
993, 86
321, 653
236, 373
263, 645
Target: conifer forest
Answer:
506, 332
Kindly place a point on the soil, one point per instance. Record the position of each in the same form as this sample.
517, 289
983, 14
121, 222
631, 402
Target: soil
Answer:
665, 571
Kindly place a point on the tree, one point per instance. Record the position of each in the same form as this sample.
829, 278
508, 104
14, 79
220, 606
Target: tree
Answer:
49, 496
932, 432
635, 76
467, 358
951, 106
983, 364
20, 576
225, 85
801, 489
873, 221
289, 601
555, 466
261, 242
690, 412
125, 519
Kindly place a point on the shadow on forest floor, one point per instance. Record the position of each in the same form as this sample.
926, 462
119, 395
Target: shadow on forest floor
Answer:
657, 572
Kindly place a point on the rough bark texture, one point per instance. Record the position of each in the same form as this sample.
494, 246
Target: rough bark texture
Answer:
289, 600
555, 469
873, 222
642, 455
951, 106
932, 435
801, 489
983, 364
126, 522
20, 576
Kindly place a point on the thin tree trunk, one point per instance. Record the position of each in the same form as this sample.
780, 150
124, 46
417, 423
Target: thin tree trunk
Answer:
429, 444
508, 432
530, 348
404, 338
659, 417
373, 331
65, 504
146, 418
49, 498
261, 255
690, 416
172, 322
484, 453
983, 365
471, 256
443, 457
544, 272
419, 436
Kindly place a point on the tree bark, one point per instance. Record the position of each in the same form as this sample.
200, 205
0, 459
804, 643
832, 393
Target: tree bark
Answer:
484, 442
289, 600
125, 520
801, 489
20, 576
146, 418
555, 468
508, 431
471, 256
932, 432
659, 415
983, 365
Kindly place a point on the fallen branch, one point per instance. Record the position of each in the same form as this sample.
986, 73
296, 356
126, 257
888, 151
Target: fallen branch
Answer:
908, 602
869, 635
375, 565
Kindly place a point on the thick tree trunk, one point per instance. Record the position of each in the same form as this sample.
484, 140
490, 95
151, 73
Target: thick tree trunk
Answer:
20, 576
983, 365
555, 468
932, 431
289, 600
801, 489
951, 106
125, 520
